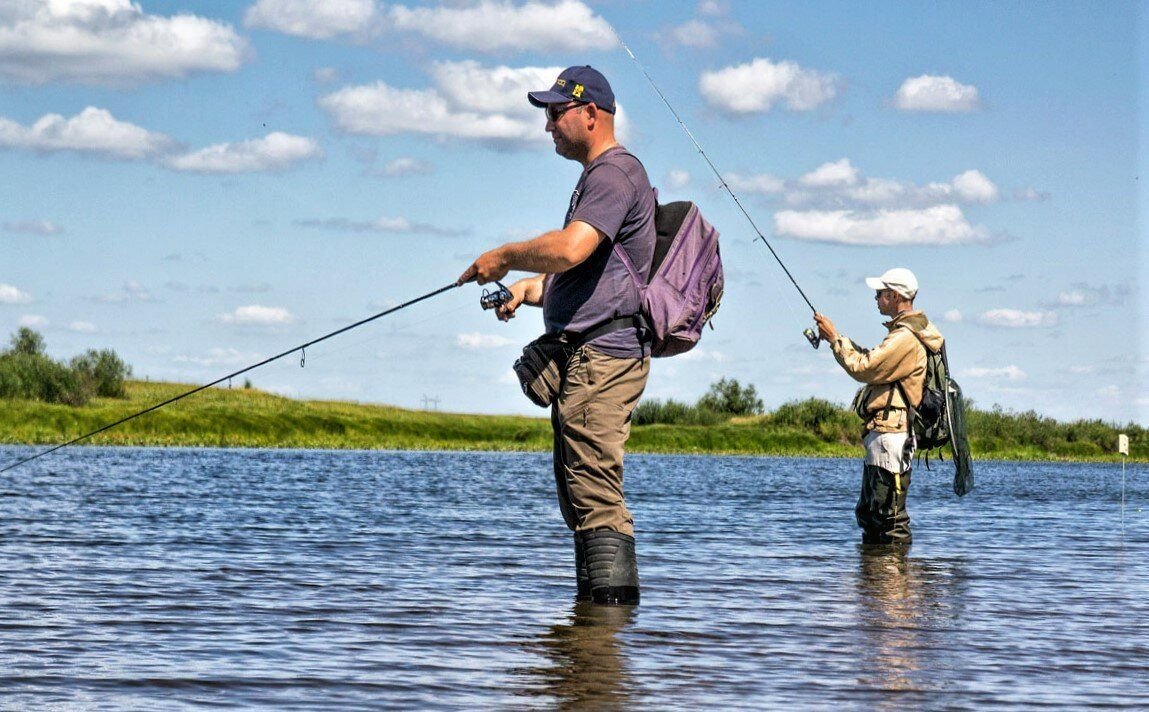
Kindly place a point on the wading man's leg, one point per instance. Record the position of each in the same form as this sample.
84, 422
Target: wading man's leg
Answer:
591, 420
881, 510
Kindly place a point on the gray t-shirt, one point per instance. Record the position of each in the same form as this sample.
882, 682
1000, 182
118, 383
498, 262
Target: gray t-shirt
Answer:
614, 195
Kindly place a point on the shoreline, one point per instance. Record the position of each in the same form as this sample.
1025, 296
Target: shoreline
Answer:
248, 418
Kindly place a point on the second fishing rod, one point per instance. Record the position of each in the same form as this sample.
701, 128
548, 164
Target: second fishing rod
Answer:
810, 334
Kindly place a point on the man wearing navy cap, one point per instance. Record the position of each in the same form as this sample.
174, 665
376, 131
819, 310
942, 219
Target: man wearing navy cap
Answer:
589, 298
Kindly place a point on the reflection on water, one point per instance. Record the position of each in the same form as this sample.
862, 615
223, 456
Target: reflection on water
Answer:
141, 579
890, 592
586, 657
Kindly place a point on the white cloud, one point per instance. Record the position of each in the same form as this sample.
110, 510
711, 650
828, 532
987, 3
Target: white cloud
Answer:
314, 20
33, 321
1082, 370
275, 152
91, 131
973, 187
110, 42
476, 341
34, 227
762, 184
755, 87
499, 25
938, 225
696, 34
12, 295
677, 179
1008, 373
841, 183
448, 111
953, 316
82, 327
831, 175
256, 314
407, 166
1017, 319
936, 93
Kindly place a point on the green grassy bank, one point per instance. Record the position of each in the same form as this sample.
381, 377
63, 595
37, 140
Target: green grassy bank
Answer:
251, 418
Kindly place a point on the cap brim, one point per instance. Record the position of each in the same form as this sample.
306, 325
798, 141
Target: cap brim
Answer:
875, 283
542, 98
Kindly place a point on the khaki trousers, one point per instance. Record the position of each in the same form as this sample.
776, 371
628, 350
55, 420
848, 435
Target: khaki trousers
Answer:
591, 421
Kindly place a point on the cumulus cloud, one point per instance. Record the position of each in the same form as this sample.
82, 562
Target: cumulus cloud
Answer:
110, 42
82, 327
936, 94
257, 315
380, 224
273, 153
762, 184
407, 166
953, 316
12, 295
938, 225
34, 227
448, 111
314, 20
1018, 319
1008, 373
476, 341
841, 183
831, 175
973, 187
93, 131
500, 26
757, 86
32, 321
326, 75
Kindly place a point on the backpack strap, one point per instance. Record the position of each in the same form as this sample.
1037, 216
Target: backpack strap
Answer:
577, 338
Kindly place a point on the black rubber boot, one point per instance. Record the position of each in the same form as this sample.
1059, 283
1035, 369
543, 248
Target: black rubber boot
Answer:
581, 574
611, 567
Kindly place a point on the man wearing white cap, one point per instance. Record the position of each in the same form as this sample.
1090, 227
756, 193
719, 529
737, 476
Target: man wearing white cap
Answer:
881, 403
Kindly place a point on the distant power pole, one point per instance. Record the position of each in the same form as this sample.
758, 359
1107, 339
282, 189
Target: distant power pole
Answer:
432, 402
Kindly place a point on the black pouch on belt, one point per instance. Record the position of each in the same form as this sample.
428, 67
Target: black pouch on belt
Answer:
542, 367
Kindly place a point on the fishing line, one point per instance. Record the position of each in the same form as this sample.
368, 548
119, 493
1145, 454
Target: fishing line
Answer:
301, 349
809, 333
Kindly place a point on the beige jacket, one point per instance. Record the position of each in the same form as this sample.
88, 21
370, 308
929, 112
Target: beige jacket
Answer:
900, 357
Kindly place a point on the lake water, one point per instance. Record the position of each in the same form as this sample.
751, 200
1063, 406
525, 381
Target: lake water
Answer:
177, 579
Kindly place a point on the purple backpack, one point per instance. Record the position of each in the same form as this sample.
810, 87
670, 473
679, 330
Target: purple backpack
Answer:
685, 283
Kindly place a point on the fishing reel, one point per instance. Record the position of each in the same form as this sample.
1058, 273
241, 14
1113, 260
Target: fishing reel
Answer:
812, 337
495, 299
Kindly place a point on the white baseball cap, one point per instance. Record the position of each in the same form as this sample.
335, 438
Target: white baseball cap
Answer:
899, 279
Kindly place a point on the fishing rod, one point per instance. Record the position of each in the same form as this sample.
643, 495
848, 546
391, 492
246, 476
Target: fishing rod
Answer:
810, 334
302, 349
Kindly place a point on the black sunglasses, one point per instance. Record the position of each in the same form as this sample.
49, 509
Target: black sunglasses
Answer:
555, 112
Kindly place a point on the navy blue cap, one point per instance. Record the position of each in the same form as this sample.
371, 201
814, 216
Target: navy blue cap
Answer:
585, 84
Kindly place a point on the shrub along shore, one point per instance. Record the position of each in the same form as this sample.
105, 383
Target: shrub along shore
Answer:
244, 417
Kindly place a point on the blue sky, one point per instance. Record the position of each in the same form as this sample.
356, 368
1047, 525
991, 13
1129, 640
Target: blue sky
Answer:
199, 185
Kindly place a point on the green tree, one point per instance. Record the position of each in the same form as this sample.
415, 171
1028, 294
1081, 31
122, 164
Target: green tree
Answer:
26, 341
730, 397
102, 373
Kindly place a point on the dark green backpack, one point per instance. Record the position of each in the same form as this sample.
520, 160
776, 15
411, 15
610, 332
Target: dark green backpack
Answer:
939, 419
